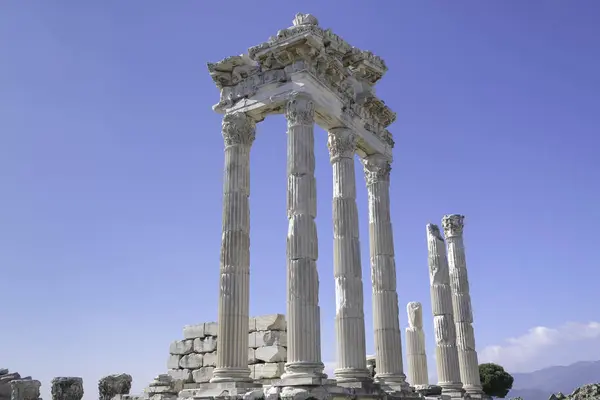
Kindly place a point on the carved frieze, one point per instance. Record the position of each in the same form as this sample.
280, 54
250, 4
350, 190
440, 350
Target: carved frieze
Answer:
238, 128
300, 110
453, 225
377, 169
347, 71
341, 143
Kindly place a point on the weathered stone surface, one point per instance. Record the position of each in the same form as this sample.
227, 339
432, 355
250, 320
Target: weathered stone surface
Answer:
112, 385
210, 359
173, 361
182, 347
191, 361
5, 378
184, 375
267, 338
206, 345
252, 356
415, 346
67, 388
251, 324
267, 371
585, 392
193, 331
270, 322
25, 389
202, 375
211, 328
271, 354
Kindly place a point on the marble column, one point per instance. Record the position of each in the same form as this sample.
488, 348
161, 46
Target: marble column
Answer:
349, 312
303, 312
386, 325
461, 300
446, 355
234, 297
416, 355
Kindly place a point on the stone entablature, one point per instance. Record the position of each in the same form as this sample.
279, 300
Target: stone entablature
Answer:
306, 57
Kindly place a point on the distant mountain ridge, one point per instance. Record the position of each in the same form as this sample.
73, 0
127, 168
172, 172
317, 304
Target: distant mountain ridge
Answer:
541, 384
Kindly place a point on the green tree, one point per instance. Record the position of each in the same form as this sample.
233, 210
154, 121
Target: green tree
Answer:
496, 382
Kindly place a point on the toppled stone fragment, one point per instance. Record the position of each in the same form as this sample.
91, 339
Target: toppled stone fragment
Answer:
67, 388
182, 347
113, 385
271, 322
193, 331
271, 354
25, 389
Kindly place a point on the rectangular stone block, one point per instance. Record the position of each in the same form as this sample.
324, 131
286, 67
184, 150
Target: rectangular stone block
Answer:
267, 371
184, 375
25, 389
211, 328
271, 354
191, 361
270, 322
203, 375
267, 338
173, 361
251, 356
181, 347
210, 359
206, 345
193, 331
251, 324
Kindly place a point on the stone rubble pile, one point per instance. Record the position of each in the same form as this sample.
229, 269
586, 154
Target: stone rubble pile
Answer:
585, 392
12, 385
193, 359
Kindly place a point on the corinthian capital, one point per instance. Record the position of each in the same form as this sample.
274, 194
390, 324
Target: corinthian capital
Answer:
453, 225
377, 168
238, 128
341, 143
300, 109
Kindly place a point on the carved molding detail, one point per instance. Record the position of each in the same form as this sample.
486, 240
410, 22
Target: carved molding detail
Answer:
377, 169
300, 109
453, 225
238, 128
414, 309
341, 143
347, 71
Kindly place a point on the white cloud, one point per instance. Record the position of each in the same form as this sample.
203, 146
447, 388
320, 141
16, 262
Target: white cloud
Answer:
543, 347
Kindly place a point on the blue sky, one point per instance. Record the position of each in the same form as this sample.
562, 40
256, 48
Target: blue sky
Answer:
111, 161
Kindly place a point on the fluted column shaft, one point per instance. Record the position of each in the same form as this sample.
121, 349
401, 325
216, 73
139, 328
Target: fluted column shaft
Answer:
461, 300
415, 346
443, 320
234, 296
303, 312
349, 318
386, 325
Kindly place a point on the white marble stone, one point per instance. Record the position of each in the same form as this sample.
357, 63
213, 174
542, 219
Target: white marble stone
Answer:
349, 318
415, 346
303, 313
181, 374
386, 324
181, 347
448, 370
193, 331
270, 322
267, 338
191, 361
453, 225
173, 361
271, 354
202, 375
234, 296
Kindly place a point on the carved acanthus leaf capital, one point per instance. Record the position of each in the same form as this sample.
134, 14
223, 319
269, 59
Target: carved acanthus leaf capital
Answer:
238, 128
453, 225
415, 314
300, 109
377, 168
341, 143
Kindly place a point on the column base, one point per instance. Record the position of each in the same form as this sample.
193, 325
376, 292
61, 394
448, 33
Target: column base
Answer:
303, 372
349, 375
395, 383
225, 375
231, 390
452, 389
